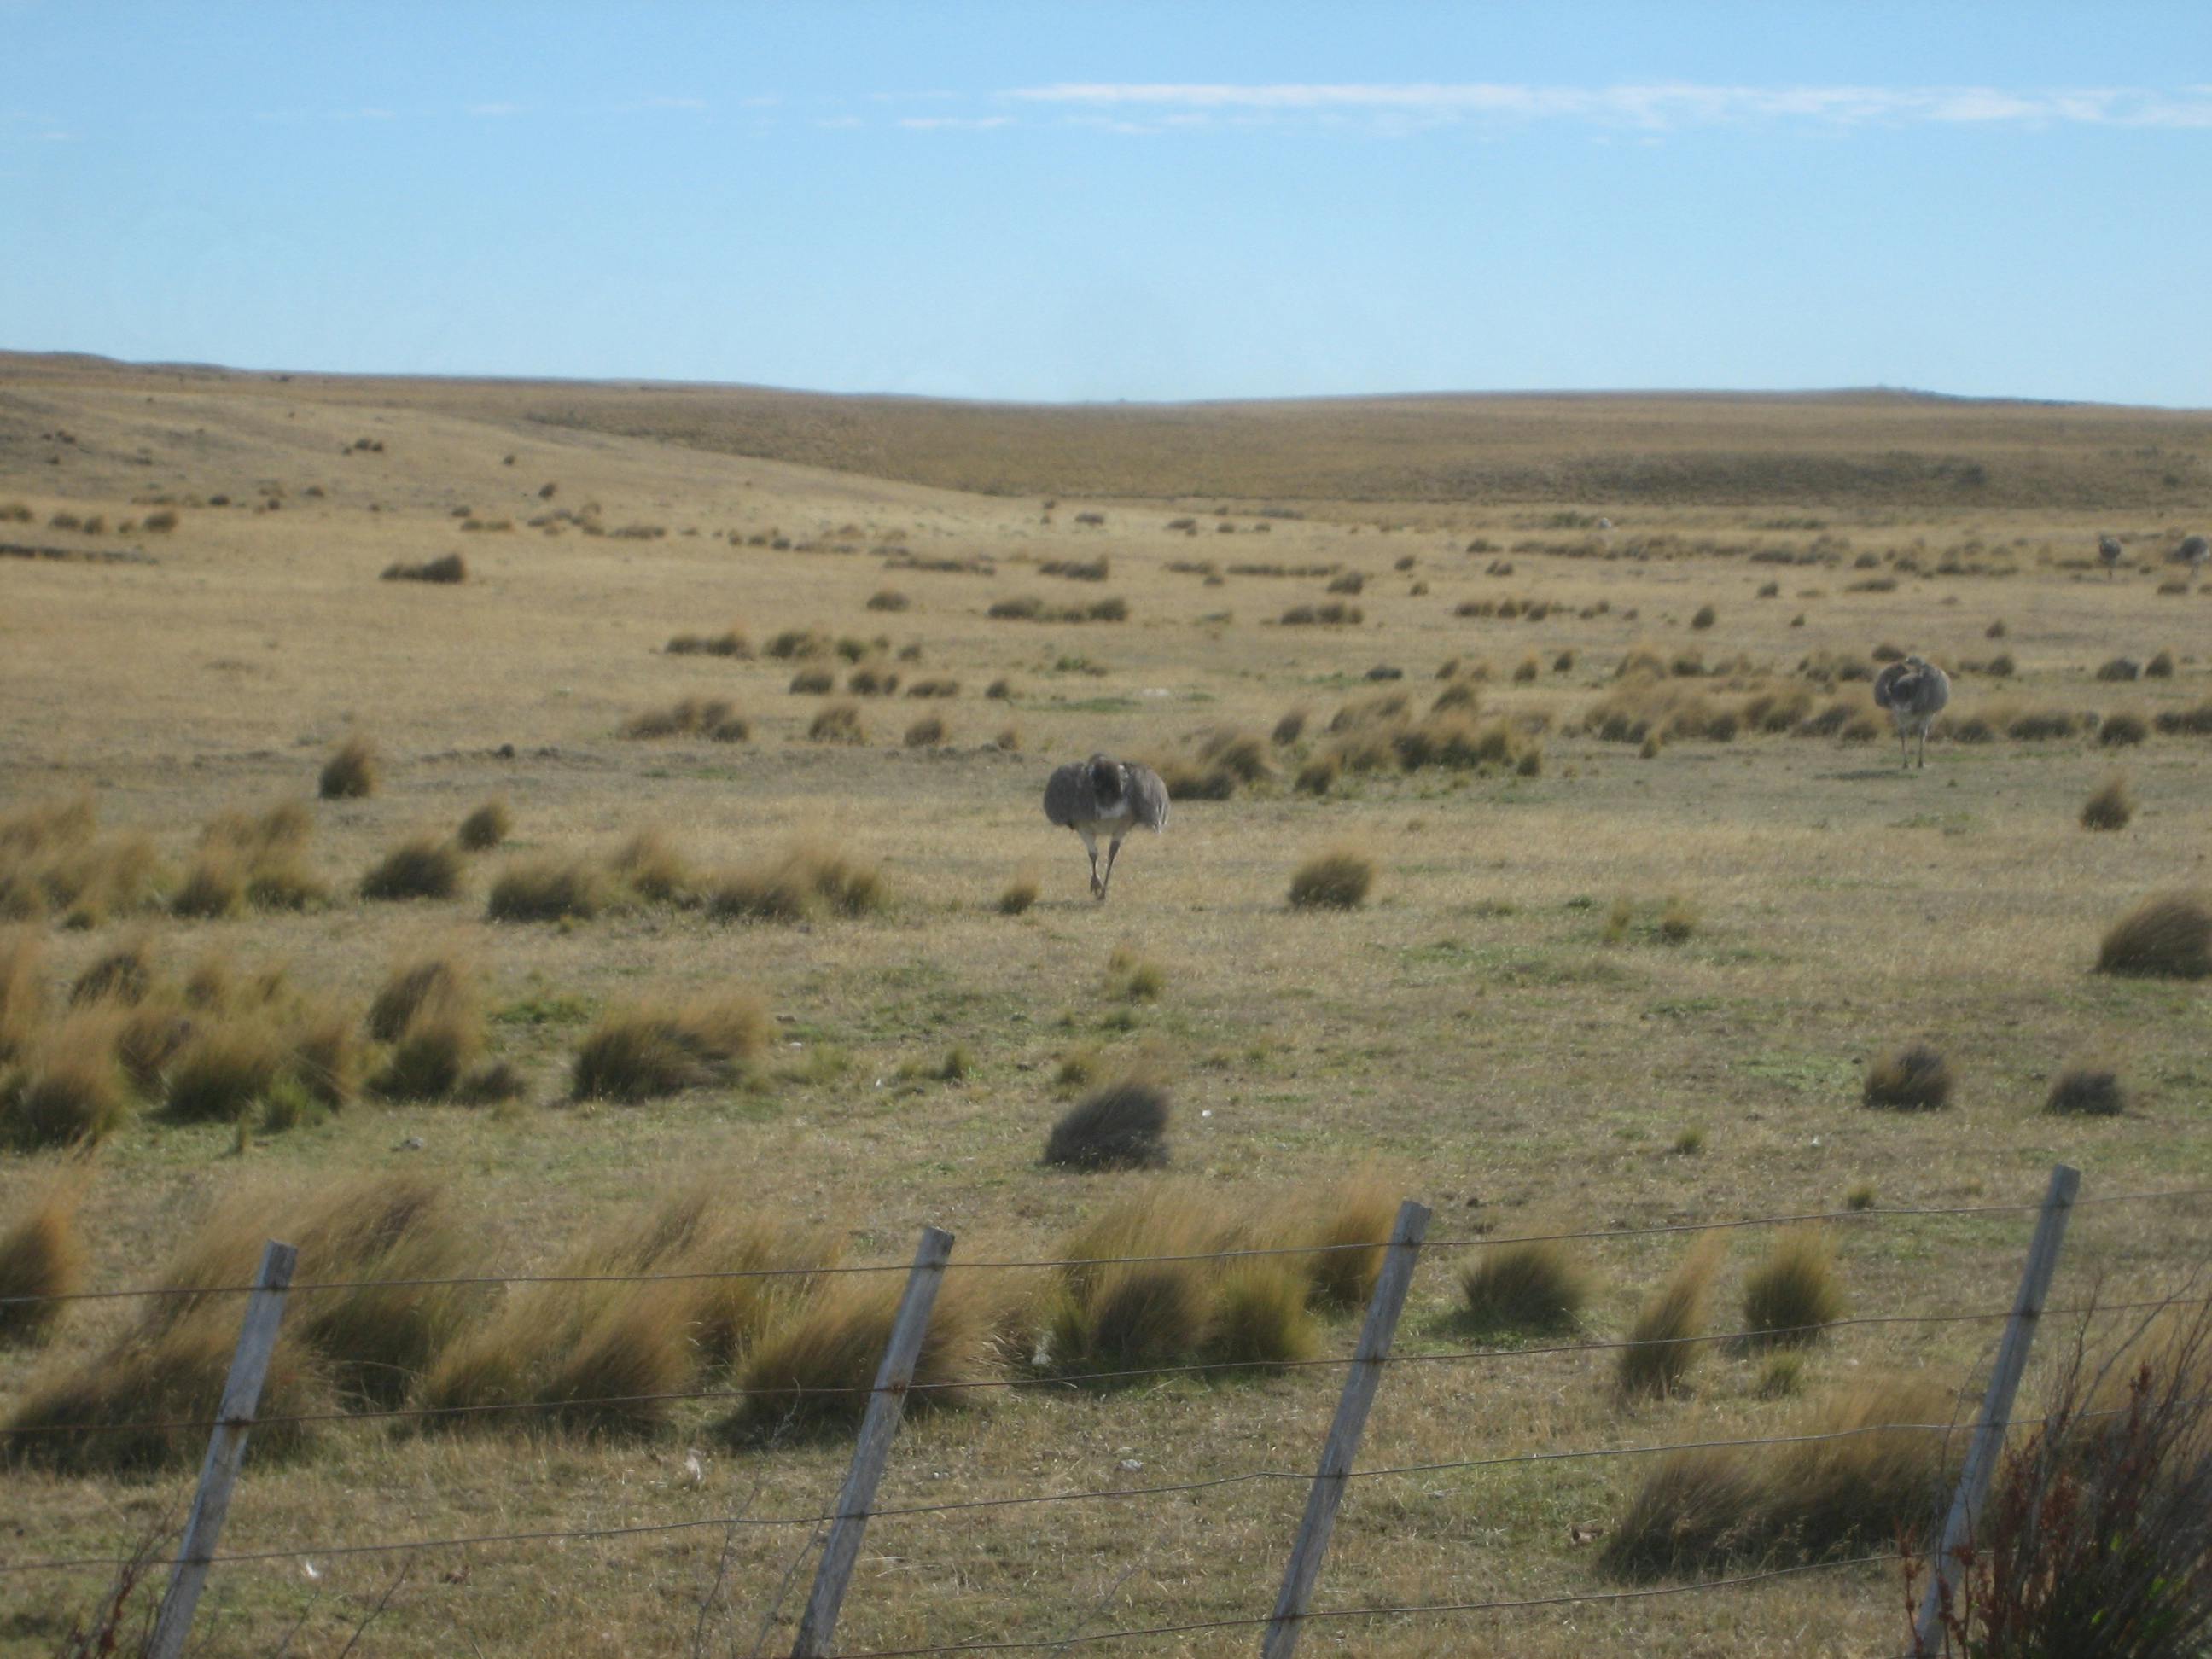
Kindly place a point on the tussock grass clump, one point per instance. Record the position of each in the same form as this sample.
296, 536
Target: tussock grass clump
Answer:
122, 976
213, 887
446, 569
715, 719
1699, 1509
2159, 667
730, 642
2110, 807
223, 1070
1243, 755
888, 599
362, 1346
23, 989
1259, 1314
67, 1089
1335, 880
54, 858
1289, 729
2195, 722
1334, 614
1133, 978
485, 828
445, 981
1350, 1221
350, 772
939, 687
550, 887
2122, 729
1123, 1126
1793, 1292
1667, 1331
1678, 920
820, 683
816, 1368
839, 723
2166, 936
583, 1352
807, 879
651, 1050
420, 867
1536, 1286
650, 865
1705, 618
2087, 1092
1018, 894
1319, 774
927, 732
41, 1255
1915, 1079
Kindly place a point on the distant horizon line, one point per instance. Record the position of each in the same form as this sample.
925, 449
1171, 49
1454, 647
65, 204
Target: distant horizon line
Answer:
656, 383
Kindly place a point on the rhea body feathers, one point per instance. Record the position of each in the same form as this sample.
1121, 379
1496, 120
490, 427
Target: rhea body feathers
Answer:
1105, 796
1915, 692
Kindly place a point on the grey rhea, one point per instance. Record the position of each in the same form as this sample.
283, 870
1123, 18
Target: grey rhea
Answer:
2192, 552
1915, 693
1103, 797
2108, 553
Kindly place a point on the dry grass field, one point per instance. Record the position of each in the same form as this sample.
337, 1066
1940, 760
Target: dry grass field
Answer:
1650, 898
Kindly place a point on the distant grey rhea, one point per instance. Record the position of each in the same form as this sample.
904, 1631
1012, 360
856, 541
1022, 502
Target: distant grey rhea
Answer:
1103, 797
1915, 693
2108, 554
2192, 552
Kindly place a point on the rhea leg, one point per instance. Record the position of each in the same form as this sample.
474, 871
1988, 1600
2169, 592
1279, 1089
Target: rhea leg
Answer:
1090, 845
1113, 851
1904, 749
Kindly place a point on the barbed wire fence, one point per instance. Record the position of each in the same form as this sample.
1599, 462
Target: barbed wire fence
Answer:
834, 1534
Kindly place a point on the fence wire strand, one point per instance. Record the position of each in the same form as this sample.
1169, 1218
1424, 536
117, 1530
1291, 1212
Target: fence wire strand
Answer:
1479, 1242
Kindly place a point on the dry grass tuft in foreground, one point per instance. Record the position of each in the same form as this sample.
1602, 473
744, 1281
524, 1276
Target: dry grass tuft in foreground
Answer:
1020, 893
350, 772
1699, 1509
1350, 1222
364, 1344
1792, 1295
1538, 1285
23, 989
585, 1353
1667, 1335
2110, 807
41, 1255
2166, 936
1123, 1126
651, 1050
420, 867
1336, 880
122, 976
1915, 1078
818, 1368
431, 1011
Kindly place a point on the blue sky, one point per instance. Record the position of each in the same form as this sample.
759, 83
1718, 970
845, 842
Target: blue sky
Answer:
1103, 200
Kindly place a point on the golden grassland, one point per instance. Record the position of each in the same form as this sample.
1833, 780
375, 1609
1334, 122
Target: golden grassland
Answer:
1593, 981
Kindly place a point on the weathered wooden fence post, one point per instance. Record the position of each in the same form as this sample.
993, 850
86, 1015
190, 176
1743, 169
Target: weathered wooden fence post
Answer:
241, 1397
1988, 1443
1281, 1638
842, 1548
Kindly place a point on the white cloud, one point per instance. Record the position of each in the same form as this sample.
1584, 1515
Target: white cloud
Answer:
1654, 105
955, 123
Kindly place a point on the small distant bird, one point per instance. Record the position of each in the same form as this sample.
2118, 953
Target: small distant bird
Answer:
2193, 552
1106, 797
2108, 554
1915, 693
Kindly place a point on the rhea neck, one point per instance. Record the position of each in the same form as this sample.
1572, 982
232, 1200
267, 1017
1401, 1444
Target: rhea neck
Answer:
1105, 780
